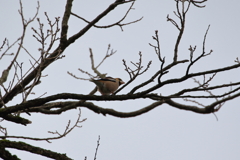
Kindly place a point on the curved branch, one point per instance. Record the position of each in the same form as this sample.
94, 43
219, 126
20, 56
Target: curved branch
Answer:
42, 101
115, 113
93, 22
223, 100
118, 23
188, 107
97, 109
207, 109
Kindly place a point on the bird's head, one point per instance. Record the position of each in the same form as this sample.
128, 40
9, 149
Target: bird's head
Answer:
120, 81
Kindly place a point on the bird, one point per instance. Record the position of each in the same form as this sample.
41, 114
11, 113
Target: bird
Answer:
107, 85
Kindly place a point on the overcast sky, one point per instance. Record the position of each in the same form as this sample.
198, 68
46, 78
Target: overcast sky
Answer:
164, 133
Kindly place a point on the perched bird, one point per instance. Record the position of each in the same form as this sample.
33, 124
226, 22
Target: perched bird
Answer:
108, 85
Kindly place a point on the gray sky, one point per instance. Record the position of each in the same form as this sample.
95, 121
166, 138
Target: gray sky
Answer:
164, 133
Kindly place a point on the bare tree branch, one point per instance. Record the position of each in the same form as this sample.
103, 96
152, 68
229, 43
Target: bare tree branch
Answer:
64, 43
23, 82
26, 147
98, 143
118, 23
67, 130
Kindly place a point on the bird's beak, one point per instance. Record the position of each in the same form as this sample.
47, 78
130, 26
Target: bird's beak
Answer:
121, 82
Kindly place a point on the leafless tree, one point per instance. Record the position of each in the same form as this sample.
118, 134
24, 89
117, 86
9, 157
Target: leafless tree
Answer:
23, 81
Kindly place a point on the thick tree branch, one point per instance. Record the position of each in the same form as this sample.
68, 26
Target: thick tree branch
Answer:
188, 107
29, 148
16, 119
42, 101
65, 19
6, 154
115, 113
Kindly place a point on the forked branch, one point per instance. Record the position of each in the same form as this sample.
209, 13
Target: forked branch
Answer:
118, 23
